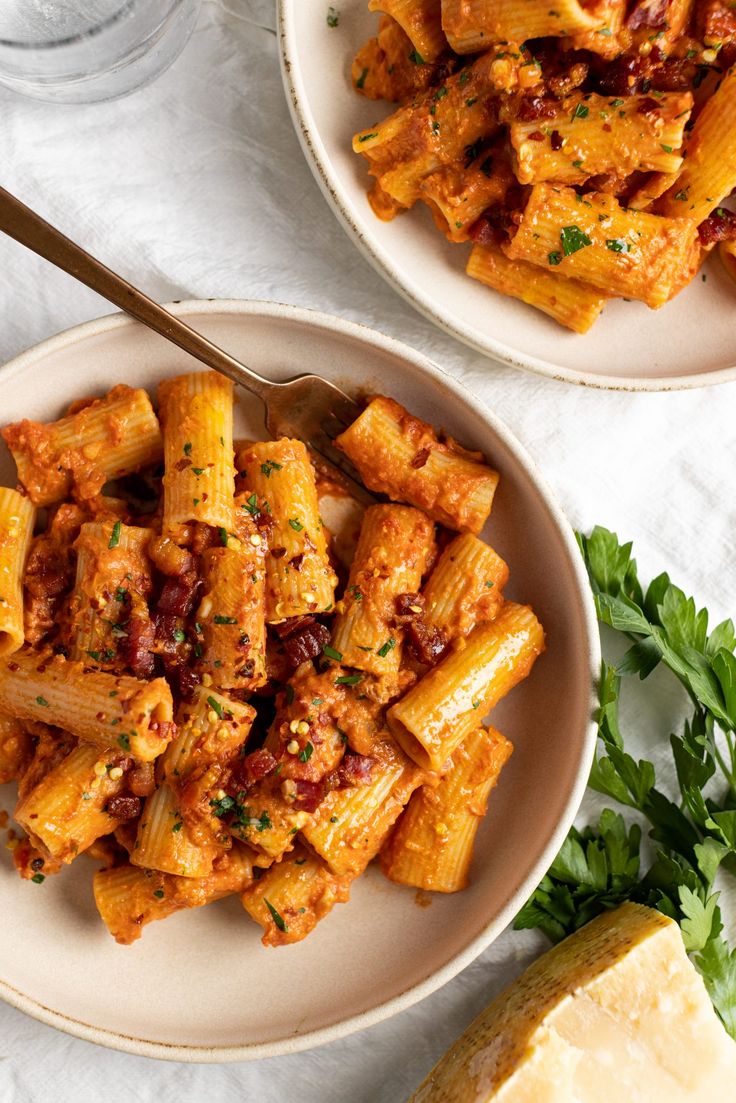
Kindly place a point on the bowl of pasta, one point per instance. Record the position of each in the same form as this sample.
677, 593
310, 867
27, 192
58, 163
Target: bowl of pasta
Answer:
542, 182
227, 681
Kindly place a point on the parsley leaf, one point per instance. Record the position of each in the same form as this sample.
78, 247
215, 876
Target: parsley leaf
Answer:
693, 834
573, 239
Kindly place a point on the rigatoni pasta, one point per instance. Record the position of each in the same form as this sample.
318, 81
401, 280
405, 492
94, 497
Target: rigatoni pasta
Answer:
280, 480
632, 107
403, 457
188, 704
100, 439
17, 516
432, 846
441, 709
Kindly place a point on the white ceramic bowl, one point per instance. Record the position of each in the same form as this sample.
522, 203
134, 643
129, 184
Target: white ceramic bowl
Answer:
200, 986
688, 343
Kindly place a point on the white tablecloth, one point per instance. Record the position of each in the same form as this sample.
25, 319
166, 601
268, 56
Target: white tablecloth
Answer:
196, 187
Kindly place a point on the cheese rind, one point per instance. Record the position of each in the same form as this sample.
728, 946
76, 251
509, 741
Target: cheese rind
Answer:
616, 1008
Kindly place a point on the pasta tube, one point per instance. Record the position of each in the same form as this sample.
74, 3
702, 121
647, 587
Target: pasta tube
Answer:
112, 583
593, 239
199, 482
421, 21
17, 516
572, 303
592, 135
231, 617
394, 550
68, 809
459, 193
101, 440
351, 824
431, 131
299, 578
472, 25
708, 174
128, 898
465, 588
292, 896
179, 832
165, 842
110, 711
432, 845
400, 456
444, 706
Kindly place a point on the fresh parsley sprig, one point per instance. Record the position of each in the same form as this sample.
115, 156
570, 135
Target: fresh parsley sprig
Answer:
693, 833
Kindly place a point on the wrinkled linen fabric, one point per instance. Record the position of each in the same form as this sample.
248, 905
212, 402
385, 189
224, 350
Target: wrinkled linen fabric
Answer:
196, 187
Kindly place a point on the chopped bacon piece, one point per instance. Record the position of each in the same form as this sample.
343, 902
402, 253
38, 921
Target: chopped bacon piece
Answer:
179, 594
408, 605
124, 807
556, 140
355, 769
427, 645
536, 107
309, 795
255, 766
719, 226
536, 136
648, 13
307, 643
292, 625
648, 106
140, 780
183, 679
136, 646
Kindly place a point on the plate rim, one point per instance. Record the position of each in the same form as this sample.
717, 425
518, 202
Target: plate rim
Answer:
289, 1044
379, 258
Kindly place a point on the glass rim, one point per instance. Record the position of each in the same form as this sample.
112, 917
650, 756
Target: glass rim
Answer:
71, 40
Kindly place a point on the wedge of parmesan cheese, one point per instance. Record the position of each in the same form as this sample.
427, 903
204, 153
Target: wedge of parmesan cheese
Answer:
614, 1014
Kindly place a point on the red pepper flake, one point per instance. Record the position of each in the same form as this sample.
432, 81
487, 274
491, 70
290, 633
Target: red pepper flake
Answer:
420, 458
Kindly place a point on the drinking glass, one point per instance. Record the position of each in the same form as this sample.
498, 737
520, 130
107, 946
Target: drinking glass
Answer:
84, 51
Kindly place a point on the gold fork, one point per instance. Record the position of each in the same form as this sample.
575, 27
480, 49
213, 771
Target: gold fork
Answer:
306, 407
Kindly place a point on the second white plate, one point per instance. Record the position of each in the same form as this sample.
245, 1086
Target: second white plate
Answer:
690, 342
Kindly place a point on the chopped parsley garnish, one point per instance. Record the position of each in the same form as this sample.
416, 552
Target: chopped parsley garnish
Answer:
216, 707
177, 827
271, 465
158, 893
489, 585
251, 505
223, 536
356, 593
295, 524
222, 806
471, 101
115, 535
188, 448
580, 112
42, 701
417, 58
333, 17
554, 258
667, 149
331, 653
198, 470
362, 138
348, 680
306, 753
360, 82
577, 164
124, 742
178, 635
681, 194
616, 245
38, 878
486, 167
278, 920
573, 239
389, 645
219, 619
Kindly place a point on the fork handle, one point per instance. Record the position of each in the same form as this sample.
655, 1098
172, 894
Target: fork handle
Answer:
29, 229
